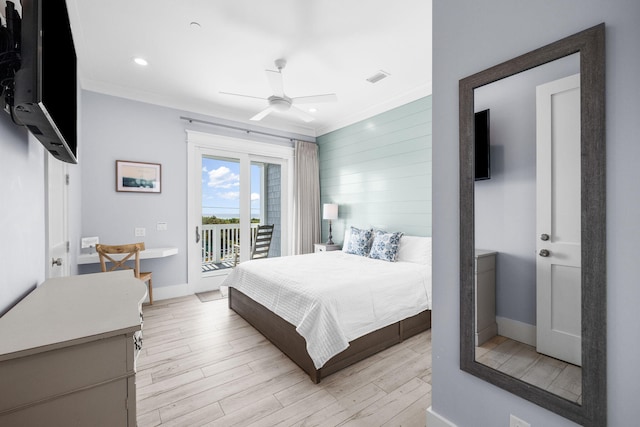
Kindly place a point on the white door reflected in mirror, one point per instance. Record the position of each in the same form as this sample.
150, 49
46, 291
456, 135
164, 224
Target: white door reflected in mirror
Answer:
558, 267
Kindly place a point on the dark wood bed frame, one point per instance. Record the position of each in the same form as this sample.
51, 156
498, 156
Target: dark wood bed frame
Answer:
284, 336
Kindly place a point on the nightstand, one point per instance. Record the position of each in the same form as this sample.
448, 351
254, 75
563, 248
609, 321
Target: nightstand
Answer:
324, 247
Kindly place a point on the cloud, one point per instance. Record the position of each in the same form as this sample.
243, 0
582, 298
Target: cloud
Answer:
223, 178
229, 195
255, 196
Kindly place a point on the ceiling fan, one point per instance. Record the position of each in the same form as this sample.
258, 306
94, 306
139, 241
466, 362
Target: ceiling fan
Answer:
281, 102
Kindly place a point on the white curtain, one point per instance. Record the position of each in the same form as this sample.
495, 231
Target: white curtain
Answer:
306, 198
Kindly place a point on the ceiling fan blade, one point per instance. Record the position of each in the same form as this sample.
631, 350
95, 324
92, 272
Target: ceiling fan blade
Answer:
329, 97
275, 81
302, 114
262, 114
246, 96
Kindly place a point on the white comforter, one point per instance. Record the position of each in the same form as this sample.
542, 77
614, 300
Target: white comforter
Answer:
332, 297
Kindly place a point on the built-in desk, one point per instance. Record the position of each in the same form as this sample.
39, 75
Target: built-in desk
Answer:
146, 254
68, 352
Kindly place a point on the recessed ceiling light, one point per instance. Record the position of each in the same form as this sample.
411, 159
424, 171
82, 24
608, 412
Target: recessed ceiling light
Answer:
140, 61
195, 25
313, 110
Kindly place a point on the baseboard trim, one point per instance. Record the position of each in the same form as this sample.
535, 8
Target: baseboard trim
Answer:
516, 330
436, 420
171, 291
183, 289
486, 334
212, 283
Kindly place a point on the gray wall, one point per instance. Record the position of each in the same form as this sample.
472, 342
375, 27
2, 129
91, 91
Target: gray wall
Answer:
23, 244
470, 36
379, 172
22, 221
119, 129
115, 128
505, 205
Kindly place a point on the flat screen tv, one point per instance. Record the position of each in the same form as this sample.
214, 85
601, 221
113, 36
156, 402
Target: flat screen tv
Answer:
45, 98
482, 146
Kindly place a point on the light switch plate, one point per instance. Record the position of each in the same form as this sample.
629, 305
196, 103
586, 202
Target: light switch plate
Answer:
161, 226
140, 232
89, 242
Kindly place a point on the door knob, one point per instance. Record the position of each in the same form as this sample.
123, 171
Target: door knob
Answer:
544, 253
55, 262
544, 237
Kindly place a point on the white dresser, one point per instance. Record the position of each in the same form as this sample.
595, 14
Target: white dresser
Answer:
485, 295
68, 351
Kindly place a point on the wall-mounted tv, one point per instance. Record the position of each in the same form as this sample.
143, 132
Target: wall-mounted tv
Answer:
482, 146
45, 85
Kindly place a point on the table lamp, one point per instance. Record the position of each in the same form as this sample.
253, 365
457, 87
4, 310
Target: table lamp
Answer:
330, 211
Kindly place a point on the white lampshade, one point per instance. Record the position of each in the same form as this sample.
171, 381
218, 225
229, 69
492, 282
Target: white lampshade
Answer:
329, 211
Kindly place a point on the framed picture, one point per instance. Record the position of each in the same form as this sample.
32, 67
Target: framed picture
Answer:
138, 177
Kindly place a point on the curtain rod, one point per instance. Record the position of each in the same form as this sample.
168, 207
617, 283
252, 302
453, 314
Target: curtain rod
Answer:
191, 120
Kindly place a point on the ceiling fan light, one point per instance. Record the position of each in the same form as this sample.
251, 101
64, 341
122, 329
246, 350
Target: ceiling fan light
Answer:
280, 104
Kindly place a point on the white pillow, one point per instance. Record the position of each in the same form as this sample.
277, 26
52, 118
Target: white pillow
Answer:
347, 234
415, 249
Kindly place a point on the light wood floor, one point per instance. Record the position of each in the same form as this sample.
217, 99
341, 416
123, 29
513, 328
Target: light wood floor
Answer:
522, 361
202, 364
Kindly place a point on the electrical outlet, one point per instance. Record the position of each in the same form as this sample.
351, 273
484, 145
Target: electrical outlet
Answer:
140, 231
161, 226
517, 422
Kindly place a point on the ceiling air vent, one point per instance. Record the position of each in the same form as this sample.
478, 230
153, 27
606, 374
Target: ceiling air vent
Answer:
378, 76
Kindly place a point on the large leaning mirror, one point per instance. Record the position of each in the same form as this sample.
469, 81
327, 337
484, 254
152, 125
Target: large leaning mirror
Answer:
532, 226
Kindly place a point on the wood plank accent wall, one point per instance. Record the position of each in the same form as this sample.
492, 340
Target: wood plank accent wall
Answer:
379, 172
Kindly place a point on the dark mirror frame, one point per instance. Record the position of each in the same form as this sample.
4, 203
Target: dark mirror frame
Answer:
590, 44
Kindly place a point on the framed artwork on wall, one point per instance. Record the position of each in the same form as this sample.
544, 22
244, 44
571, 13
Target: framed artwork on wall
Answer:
138, 177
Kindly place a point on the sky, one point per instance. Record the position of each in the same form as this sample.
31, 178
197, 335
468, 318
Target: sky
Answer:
221, 188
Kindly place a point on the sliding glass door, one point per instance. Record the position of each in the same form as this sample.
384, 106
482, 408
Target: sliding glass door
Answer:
230, 194
220, 205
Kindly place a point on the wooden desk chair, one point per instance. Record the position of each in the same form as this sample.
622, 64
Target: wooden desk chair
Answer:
129, 250
261, 245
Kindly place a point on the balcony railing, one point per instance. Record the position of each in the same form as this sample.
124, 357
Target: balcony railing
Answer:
218, 240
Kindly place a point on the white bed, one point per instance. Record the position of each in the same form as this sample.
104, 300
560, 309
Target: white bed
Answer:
333, 298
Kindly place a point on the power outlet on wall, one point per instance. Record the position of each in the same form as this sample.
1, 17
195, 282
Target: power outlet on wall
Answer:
517, 422
140, 232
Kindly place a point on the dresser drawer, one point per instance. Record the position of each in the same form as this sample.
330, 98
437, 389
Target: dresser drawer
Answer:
78, 409
57, 372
